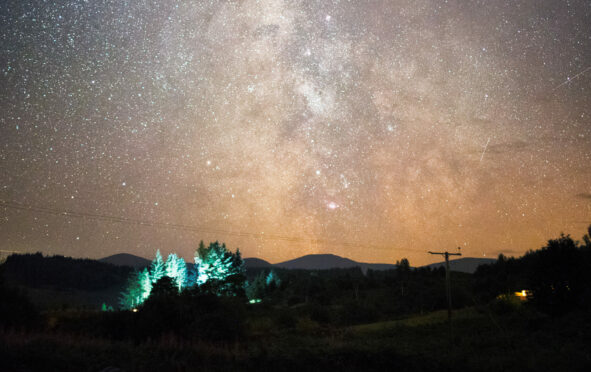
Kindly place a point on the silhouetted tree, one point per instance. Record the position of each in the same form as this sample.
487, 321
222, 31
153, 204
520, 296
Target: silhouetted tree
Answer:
558, 276
587, 238
403, 265
255, 289
164, 287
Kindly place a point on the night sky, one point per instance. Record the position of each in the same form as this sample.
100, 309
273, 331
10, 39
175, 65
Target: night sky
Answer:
374, 130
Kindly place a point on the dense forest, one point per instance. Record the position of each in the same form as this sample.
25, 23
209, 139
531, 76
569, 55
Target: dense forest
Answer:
35, 270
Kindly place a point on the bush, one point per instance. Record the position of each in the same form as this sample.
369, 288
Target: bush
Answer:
16, 311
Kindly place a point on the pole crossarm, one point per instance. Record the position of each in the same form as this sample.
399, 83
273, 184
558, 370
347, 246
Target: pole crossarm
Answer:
447, 279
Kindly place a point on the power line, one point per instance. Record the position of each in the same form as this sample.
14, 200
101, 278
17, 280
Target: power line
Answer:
182, 227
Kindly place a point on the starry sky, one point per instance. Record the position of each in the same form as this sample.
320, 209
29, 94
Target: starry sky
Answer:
374, 130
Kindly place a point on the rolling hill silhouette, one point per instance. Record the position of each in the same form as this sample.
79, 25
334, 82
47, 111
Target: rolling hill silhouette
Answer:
126, 259
464, 265
329, 261
312, 262
253, 262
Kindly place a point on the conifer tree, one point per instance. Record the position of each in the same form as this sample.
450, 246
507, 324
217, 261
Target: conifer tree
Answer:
132, 295
272, 281
157, 269
216, 264
176, 269
255, 290
145, 283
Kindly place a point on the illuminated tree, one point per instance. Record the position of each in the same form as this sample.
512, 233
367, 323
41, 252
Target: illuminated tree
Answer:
176, 268
137, 290
262, 286
272, 281
255, 290
217, 270
132, 295
157, 269
220, 267
145, 283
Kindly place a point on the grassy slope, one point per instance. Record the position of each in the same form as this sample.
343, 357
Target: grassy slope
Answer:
481, 340
57, 298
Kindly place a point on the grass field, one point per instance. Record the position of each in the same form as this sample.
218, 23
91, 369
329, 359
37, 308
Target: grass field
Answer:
480, 340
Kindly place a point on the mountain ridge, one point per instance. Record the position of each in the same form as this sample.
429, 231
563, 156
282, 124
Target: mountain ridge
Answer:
464, 264
126, 259
313, 262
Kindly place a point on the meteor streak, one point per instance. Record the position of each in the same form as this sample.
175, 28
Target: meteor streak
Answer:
568, 80
485, 146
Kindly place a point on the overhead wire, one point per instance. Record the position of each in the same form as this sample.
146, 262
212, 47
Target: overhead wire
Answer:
189, 228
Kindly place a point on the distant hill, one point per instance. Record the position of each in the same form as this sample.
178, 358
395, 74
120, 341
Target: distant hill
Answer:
311, 262
329, 261
464, 265
126, 259
255, 262
57, 281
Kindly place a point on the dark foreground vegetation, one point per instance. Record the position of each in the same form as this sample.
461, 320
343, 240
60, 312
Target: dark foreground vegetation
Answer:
318, 320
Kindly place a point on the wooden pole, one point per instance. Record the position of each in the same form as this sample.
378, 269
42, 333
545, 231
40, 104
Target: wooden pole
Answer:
447, 279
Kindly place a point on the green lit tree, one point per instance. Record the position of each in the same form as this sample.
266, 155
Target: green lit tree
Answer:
272, 281
145, 283
140, 284
176, 269
157, 268
132, 295
220, 267
262, 286
255, 289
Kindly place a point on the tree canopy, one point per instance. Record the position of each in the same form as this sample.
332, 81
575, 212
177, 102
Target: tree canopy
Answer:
217, 270
220, 267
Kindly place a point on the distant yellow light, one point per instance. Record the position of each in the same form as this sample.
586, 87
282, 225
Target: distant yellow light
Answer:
523, 294
134, 310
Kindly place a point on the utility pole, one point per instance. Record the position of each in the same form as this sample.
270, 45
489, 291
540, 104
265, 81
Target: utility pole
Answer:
447, 279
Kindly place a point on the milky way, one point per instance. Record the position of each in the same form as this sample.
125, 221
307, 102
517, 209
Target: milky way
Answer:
374, 130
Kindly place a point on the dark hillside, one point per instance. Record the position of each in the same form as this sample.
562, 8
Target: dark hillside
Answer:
329, 261
255, 262
126, 259
465, 264
37, 271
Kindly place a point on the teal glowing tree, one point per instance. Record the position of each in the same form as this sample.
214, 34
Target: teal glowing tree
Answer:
217, 270
220, 270
272, 280
157, 268
132, 295
176, 269
140, 283
145, 282
262, 286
